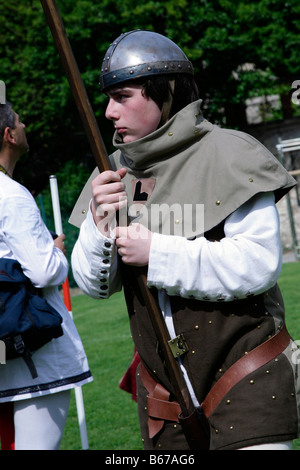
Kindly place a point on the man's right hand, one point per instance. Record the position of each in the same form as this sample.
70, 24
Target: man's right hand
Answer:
109, 196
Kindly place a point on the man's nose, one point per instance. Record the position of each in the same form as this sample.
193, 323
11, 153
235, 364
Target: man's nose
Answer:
111, 110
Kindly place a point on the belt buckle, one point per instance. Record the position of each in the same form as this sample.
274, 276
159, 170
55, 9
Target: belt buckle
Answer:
178, 345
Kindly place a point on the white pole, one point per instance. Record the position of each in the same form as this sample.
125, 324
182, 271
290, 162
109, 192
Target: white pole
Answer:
55, 205
78, 390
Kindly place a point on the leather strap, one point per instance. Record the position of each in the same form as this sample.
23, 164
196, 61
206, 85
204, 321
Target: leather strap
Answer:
254, 359
158, 404
160, 408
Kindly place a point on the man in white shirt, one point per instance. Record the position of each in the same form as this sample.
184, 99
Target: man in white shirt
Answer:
38, 404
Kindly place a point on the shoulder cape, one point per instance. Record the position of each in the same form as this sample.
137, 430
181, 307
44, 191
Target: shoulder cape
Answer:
189, 175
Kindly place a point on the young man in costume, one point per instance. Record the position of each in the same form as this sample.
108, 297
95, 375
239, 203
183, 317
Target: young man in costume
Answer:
38, 402
214, 276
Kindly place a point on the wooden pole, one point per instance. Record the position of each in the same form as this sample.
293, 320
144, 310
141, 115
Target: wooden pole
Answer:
85, 110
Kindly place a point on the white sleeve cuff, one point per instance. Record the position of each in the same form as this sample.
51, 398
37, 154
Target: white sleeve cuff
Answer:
95, 261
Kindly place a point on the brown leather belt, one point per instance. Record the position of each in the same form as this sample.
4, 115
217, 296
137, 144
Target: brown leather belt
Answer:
160, 408
254, 359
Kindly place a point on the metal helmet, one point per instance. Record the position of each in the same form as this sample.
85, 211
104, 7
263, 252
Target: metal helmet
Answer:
140, 53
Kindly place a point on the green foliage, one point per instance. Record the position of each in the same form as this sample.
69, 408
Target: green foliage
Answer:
219, 36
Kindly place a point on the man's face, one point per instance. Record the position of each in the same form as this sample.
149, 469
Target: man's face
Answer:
134, 115
19, 135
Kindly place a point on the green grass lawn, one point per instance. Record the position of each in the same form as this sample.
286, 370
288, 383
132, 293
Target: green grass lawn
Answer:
289, 283
111, 414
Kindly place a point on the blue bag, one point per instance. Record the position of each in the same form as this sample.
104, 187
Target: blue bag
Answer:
27, 320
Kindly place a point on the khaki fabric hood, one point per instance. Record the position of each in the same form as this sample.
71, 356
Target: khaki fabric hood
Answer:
189, 175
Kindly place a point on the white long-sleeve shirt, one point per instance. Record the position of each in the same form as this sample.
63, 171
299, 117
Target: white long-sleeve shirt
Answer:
23, 236
61, 364
247, 260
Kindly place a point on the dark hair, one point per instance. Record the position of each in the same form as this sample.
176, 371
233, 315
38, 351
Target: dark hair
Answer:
158, 88
7, 119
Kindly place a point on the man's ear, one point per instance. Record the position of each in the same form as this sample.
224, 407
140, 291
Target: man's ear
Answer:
8, 136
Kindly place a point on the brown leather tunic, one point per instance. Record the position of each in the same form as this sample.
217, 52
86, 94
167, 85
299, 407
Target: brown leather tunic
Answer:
262, 408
